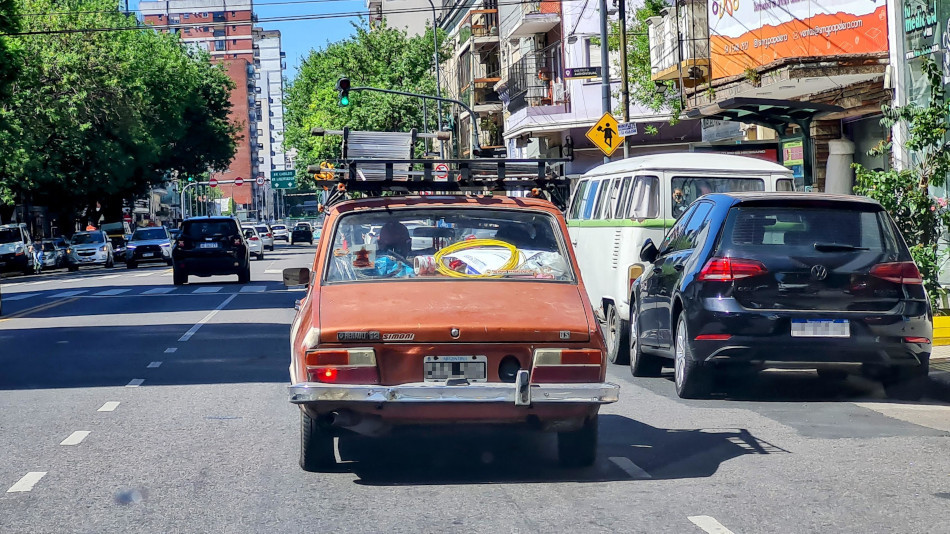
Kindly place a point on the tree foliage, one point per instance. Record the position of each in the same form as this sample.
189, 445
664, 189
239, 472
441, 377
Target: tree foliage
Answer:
9, 63
643, 90
101, 116
384, 58
905, 194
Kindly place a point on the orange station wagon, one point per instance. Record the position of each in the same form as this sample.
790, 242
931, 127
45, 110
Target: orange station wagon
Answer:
445, 310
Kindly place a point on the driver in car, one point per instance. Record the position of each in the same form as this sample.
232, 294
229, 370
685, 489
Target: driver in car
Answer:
392, 249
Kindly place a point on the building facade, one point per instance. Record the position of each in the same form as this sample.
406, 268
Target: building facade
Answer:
410, 15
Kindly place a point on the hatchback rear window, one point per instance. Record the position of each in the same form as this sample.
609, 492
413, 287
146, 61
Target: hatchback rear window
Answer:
831, 229
200, 229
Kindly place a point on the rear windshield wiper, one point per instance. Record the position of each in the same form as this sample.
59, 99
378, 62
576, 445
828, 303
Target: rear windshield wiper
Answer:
836, 247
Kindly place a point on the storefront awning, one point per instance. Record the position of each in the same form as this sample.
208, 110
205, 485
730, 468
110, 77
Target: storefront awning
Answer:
775, 114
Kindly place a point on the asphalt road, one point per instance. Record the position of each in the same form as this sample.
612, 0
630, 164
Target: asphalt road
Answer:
129, 405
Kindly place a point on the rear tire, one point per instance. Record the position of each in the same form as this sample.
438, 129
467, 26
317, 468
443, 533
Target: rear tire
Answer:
245, 275
833, 375
693, 379
179, 277
271, 248
578, 448
131, 264
908, 383
110, 262
618, 337
73, 268
641, 365
316, 445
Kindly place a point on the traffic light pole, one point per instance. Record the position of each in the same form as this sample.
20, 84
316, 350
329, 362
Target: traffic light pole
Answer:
183, 189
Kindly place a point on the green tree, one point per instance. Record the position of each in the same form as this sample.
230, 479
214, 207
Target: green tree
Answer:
383, 57
643, 90
905, 194
9, 62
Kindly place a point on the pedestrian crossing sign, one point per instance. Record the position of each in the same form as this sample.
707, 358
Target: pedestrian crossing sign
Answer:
604, 134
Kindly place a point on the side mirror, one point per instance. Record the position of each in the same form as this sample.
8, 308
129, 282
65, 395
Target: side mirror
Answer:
648, 251
296, 276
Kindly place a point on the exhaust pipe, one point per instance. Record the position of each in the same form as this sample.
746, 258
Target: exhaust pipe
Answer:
366, 426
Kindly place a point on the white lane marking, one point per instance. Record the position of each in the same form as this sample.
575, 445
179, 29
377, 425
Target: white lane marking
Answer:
170, 350
635, 471
21, 297
27, 482
111, 292
273, 271
76, 437
106, 277
158, 290
209, 289
66, 294
143, 275
135, 382
253, 289
206, 318
153, 365
709, 524
109, 406
38, 283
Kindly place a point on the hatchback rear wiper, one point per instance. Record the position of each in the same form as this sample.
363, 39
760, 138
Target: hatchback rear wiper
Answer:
836, 247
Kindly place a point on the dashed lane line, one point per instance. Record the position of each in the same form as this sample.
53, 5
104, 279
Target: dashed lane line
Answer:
20, 297
253, 289
142, 275
39, 283
106, 277
635, 471
153, 365
27, 482
76, 437
207, 289
709, 524
111, 292
65, 294
135, 382
273, 271
170, 350
158, 290
206, 318
109, 406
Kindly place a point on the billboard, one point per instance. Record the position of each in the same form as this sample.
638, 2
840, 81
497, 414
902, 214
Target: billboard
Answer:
926, 33
751, 33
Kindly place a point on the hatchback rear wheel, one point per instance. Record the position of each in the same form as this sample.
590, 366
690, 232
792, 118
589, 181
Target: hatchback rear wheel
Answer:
179, 277
578, 448
641, 365
316, 445
693, 379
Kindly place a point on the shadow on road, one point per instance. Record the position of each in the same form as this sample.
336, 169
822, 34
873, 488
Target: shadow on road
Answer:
469, 457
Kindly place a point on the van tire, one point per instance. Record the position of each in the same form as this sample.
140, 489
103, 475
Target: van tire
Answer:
316, 445
618, 337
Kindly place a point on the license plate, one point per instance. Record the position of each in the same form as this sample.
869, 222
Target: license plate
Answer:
148, 255
821, 328
208, 245
442, 368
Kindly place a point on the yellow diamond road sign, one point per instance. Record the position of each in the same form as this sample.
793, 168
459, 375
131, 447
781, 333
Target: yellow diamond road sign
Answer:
604, 134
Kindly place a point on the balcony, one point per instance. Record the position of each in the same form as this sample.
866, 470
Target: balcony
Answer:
680, 50
484, 29
539, 16
536, 80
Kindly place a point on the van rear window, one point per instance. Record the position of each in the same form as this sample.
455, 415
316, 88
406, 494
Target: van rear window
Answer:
756, 227
686, 189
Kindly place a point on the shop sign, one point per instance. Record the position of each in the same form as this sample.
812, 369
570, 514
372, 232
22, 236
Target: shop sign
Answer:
793, 156
924, 29
747, 34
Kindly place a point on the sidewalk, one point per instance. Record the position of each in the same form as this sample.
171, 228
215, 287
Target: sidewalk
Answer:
940, 373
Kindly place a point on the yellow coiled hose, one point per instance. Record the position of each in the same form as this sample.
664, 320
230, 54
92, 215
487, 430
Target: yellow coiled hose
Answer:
475, 243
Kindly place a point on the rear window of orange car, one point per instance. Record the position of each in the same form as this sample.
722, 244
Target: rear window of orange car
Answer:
446, 244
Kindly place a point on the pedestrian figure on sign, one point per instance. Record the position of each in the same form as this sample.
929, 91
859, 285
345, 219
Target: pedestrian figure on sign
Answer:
608, 134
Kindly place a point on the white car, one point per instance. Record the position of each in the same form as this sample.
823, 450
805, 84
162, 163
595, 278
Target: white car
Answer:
255, 245
280, 232
267, 236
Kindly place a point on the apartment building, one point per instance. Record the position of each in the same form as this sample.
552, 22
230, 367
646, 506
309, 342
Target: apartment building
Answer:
252, 58
410, 15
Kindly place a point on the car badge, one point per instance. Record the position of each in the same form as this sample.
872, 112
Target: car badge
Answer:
565, 334
399, 337
455, 333
357, 336
819, 272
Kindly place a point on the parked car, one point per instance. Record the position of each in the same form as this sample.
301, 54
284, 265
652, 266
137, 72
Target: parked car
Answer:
255, 245
52, 253
210, 246
119, 234
90, 248
280, 232
776, 281
148, 245
302, 232
617, 206
495, 331
266, 235
15, 243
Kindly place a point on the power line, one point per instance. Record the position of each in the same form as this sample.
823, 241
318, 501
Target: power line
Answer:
197, 11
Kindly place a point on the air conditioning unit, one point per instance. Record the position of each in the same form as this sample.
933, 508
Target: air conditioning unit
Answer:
558, 92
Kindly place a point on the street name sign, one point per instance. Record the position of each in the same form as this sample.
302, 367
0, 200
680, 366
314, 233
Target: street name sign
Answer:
627, 129
605, 135
283, 179
582, 72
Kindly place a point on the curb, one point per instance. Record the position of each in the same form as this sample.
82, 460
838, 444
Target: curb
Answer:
939, 387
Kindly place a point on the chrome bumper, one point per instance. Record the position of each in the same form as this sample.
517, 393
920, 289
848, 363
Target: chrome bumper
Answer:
421, 392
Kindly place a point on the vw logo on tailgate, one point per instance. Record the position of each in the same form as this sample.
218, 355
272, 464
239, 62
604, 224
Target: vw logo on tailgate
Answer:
819, 272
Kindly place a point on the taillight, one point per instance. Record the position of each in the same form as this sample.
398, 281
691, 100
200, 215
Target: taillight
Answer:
633, 272
181, 243
899, 272
567, 365
254, 238
237, 240
713, 337
344, 366
730, 269
921, 340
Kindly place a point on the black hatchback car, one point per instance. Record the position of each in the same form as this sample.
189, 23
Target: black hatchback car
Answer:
780, 280
209, 246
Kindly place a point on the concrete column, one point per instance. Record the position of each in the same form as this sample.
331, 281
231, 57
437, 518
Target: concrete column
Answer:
839, 176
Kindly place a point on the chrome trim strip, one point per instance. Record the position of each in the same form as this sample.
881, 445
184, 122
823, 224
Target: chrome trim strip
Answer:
598, 393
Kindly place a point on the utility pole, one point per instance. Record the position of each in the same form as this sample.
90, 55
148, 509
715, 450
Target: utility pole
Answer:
604, 63
438, 74
624, 83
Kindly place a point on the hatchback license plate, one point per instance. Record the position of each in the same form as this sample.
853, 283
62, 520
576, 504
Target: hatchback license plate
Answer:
821, 328
442, 368
209, 245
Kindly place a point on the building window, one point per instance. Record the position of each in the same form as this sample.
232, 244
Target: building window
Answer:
188, 16
220, 46
592, 51
234, 41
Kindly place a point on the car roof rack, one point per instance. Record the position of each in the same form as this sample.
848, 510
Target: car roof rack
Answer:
375, 176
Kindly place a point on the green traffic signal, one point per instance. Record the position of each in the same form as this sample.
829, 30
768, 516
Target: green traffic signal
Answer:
344, 101
343, 89
191, 178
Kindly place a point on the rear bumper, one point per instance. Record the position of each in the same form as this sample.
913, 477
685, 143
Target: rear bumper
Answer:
13, 262
211, 265
425, 392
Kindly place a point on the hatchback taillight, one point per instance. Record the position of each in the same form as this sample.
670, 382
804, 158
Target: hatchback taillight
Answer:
730, 269
344, 366
181, 243
899, 272
566, 365
237, 240
254, 238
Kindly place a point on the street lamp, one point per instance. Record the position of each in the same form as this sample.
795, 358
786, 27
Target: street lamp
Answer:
438, 75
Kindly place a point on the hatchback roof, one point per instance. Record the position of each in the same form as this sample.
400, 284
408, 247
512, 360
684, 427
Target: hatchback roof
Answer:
773, 196
689, 161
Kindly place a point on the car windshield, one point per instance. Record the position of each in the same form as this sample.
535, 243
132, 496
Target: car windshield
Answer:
10, 235
202, 229
149, 233
466, 244
85, 239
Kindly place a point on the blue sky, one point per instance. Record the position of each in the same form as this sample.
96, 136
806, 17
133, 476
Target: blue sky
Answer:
298, 37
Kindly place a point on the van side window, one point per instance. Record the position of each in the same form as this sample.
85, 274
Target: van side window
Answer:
784, 184
589, 197
578, 201
603, 199
623, 197
643, 202
610, 207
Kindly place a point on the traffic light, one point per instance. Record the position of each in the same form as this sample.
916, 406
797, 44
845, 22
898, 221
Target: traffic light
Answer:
343, 88
191, 179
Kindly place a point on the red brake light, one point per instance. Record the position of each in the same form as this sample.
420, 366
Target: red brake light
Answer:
254, 238
713, 337
328, 374
899, 272
730, 269
345, 366
921, 340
